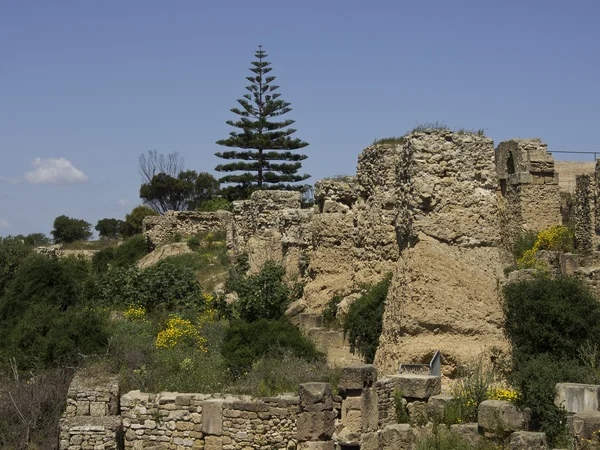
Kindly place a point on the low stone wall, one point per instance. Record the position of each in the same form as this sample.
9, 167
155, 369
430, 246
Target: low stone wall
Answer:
160, 229
91, 419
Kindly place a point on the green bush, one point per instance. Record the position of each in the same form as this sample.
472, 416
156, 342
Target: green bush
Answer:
330, 312
42, 318
13, 250
535, 378
134, 220
547, 321
215, 204
553, 316
166, 286
275, 374
193, 242
247, 342
261, 296
128, 253
525, 241
364, 321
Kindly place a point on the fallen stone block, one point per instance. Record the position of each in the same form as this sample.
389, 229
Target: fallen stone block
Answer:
417, 413
316, 445
315, 396
469, 432
527, 440
498, 416
586, 423
369, 441
357, 377
315, 426
575, 397
418, 386
437, 404
397, 437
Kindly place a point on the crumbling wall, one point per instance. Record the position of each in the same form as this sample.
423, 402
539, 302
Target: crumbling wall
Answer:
530, 193
160, 229
584, 220
91, 419
444, 291
217, 421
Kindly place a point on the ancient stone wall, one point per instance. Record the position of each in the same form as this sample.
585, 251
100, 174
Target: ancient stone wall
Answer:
584, 219
530, 193
444, 291
91, 419
161, 229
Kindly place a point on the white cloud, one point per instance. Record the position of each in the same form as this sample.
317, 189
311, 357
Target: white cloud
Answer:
4, 223
123, 203
55, 171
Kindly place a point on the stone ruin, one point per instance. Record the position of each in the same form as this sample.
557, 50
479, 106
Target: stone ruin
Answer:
437, 209
363, 416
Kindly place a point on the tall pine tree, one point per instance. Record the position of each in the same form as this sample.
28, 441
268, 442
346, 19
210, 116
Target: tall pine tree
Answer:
263, 142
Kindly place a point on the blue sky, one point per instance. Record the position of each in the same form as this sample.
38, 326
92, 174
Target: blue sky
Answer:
87, 86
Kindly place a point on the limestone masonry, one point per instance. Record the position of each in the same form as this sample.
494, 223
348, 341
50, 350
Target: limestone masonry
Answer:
437, 209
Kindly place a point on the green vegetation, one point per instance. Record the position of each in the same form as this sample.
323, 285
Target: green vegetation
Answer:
129, 252
109, 228
133, 220
262, 141
67, 229
392, 140
557, 238
261, 296
549, 322
215, 204
364, 321
246, 342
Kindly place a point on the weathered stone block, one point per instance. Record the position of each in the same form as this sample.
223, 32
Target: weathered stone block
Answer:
397, 437
357, 377
98, 409
213, 443
369, 441
212, 417
499, 415
315, 426
316, 445
527, 440
469, 432
437, 404
418, 386
586, 423
315, 396
417, 412
576, 397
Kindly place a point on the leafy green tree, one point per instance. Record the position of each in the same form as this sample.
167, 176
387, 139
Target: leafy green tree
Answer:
184, 192
262, 140
13, 250
36, 239
109, 228
134, 220
67, 229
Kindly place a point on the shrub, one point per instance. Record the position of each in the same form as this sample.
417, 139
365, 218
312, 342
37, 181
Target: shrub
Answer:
330, 312
275, 374
262, 296
193, 243
525, 241
553, 316
558, 238
13, 250
215, 204
546, 321
181, 332
129, 252
400, 407
475, 384
166, 286
67, 229
364, 320
246, 342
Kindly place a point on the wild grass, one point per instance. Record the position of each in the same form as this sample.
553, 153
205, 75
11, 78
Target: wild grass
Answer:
392, 140
90, 245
